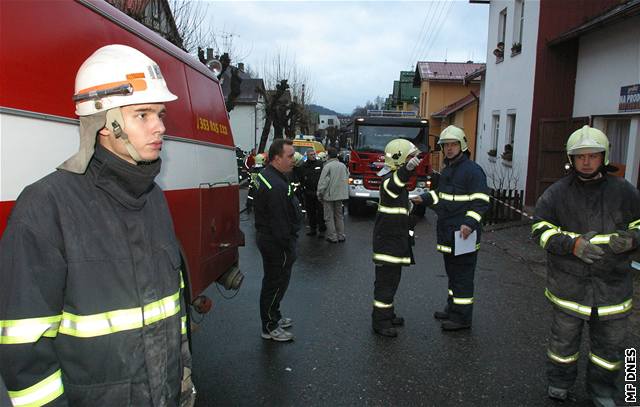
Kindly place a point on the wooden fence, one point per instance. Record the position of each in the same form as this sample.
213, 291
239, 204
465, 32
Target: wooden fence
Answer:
501, 206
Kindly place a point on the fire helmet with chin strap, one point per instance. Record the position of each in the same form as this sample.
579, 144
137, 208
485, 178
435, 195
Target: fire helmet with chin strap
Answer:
260, 160
298, 159
588, 140
113, 76
453, 134
397, 152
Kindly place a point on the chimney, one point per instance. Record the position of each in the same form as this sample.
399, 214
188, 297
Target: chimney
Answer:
209, 54
241, 66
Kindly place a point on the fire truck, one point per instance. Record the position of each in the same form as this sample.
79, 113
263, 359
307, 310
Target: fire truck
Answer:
42, 45
370, 135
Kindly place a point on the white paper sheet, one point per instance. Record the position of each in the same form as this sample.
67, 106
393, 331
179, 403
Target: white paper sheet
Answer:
463, 246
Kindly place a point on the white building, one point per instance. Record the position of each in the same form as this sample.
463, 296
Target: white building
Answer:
247, 116
328, 120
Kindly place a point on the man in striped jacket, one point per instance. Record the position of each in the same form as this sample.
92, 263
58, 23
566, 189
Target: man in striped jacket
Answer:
460, 202
588, 222
392, 232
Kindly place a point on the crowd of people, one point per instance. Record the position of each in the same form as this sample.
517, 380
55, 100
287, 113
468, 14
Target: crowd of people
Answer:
56, 248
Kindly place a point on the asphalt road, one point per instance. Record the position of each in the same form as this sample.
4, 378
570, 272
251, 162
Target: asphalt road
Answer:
336, 360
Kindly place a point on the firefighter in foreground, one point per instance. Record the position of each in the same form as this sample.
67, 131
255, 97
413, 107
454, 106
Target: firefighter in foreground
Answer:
91, 311
392, 233
588, 222
460, 203
277, 220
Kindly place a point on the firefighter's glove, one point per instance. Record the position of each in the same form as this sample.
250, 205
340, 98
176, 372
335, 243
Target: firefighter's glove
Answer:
624, 242
585, 250
413, 163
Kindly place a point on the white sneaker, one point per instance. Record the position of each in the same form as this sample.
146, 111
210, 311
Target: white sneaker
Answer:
278, 334
285, 323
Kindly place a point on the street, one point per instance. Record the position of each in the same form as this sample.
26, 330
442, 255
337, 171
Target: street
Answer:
336, 359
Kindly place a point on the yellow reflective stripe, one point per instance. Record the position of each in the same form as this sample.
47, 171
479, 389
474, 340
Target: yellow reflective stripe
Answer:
475, 215
444, 249
477, 246
481, 196
542, 224
451, 293
393, 211
391, 194
615, 309
183, 324
604, 363
544, 237
28, 330
263, 179
397, 180
570, 305
635, 224
597, 239
380, 304
40, 393
561, 359
434, 196
391, 259
86, 326
446, 197
463, 301
181, 281
289, 191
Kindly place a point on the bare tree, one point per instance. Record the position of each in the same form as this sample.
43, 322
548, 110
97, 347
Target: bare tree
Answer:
502, 177
191, 24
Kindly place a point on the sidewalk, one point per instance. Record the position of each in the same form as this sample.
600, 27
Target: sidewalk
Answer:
515, 241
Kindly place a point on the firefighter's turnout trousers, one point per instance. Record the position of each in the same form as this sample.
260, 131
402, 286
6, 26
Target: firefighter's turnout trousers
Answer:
606, 352
460, 272
277, 264
384, 290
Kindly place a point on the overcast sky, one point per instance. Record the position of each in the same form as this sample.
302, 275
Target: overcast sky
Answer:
352, 51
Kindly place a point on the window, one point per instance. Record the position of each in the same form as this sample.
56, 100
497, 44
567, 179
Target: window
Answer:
618, 134
511, 122
518, 24
495, 131
330, 122
502, 26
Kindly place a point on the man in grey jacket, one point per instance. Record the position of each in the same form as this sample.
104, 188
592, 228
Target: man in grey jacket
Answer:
332, 190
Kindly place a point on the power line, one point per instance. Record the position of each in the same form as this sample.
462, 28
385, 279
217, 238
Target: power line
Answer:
412, 55
439, 25
433, 26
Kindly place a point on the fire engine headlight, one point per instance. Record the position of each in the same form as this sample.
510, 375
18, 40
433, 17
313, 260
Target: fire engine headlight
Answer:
421, 184
356, 181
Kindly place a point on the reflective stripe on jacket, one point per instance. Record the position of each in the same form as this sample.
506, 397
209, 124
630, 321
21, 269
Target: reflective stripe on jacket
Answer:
92, 307
572, 207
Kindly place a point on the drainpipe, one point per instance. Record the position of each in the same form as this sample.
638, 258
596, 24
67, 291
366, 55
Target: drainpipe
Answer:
477, 118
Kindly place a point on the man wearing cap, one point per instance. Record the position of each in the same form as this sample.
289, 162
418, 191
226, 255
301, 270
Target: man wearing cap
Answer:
589, 223
460, 202
91, 311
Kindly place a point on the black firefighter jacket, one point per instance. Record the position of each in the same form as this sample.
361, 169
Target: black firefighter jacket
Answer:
461, 199
572, 207
90, 302
277, 213
393, 228
311, 170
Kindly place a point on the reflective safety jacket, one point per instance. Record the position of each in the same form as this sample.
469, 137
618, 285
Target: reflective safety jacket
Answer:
277, 212
91, 310
461, 199
393, 229
572, 207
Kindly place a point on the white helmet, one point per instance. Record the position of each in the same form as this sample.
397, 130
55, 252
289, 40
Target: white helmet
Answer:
112, 77
115, 76
452, 134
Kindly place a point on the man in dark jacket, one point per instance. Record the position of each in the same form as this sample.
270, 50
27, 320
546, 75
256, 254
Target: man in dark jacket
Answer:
588, 222
460, 203
392, 233
277, 221
91, 311
311, 170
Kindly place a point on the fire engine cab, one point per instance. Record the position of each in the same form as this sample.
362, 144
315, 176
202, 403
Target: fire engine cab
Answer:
42, 45
370, 136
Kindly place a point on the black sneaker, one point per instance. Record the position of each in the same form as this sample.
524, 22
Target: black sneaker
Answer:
557, 393
448, 325
388, 332
441, 315
397, 321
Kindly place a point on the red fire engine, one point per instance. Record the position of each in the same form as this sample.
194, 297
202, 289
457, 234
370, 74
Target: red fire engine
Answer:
43, 43
370, 135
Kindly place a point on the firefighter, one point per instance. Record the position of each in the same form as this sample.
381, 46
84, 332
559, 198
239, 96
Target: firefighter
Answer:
277, 221
296, 180
259, 162
392, 233
311, 170
460, 203
588, 222
92, 300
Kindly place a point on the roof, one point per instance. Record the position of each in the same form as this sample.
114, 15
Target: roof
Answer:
454, 107
248, 86
627, 9
475, 75
443, 71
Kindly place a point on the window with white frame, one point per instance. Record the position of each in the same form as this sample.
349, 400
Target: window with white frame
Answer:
495, 131
502, 26
507, 155
518, 25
